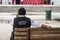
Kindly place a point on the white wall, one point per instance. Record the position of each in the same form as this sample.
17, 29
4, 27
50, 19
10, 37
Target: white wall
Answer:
6, 2
56, 2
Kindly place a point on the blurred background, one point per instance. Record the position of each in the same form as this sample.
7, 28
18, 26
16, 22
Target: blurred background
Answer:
44, 11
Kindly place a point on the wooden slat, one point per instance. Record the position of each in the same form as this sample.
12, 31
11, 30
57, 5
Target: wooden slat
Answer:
45, 36
20, 37
46, 39
20, 29
20, 33
44, 32
37, 29
45, 29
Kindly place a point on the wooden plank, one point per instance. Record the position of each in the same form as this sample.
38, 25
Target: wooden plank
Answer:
46, 39
20, 37
44, 29
44, 32
20, 33
20, 29
45, 36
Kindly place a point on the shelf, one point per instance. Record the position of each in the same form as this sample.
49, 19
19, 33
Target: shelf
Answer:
29, 6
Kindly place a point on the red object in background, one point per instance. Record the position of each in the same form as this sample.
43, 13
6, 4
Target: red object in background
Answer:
26, 1
13, 1
46, 1
31, 1
35, 2
41, 1
21, 1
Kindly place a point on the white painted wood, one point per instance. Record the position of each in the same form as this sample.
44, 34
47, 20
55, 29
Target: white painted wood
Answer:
30, 5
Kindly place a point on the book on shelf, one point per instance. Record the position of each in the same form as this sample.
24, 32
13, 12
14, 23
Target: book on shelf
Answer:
47, 1
17, 1
29, 2
13, 2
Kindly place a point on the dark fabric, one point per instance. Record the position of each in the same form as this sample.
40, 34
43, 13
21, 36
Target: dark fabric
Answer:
19, 23
49, 1
22, 22
17, 1
12, 36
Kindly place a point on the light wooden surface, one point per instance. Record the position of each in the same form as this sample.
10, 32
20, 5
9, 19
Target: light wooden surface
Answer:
38, 34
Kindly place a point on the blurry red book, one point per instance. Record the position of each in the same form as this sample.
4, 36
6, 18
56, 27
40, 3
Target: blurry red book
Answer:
13, 1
